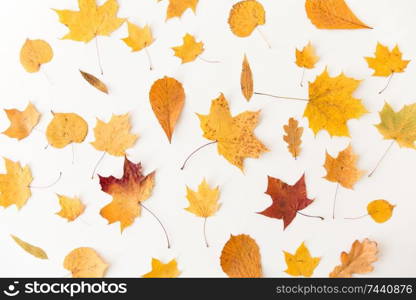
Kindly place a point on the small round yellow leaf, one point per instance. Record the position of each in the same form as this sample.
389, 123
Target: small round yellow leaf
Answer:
245, 16
380, 210
66, 128
34, 53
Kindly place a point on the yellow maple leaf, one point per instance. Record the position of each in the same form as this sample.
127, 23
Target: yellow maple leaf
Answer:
301, 263
15, 184
176, 8
139, 37
245, 16
66, 128
189, 50
91, 20
22, 122
161, 270
114, 137
387, 62
71, 208
85, 262
380, 210
399, 126
204, 202
34, 53
331, 104
306, 58
33, 250
234, 135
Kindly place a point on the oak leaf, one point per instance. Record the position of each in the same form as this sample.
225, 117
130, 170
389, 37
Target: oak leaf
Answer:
293, 137
240, 257
189, 50
35, 53
127, 192
246, 80
21, 122
85, 262
306, 58
331, 104
380, 210
287, 199
301, 263
94, 81
358, 261
161, 270
139, 37
332, 14
245, 16
176, 8
167, 98
204, 202
71, 208
234, 135
66, 128
387, 62
15, 184
91, 20
114, 137
33, 250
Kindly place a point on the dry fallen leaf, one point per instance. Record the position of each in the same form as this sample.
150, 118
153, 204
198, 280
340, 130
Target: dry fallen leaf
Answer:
245, 16
387, 62
240, 257
35, 53
94, 81
293, 137
15, 184
287, 199
22, 122
85, 263
127, 193
177, 7
358, 261
189, 50
91, 20
114, 137
71, 208
234, 135
161, 270
139, 38
246, 80
301, 263
306, 58
66, 128
167, 98
380, 210
332, 14
33, 250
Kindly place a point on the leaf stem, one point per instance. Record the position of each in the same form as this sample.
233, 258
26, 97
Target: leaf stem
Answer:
205, 233
163, 227
195, 151
355, 218
303, 75
388, 83
305, 215
263, 36
335, 201
381, 159
209, 61
149, 59
98, 55
73, 152
280, 97
97, 164
47, 186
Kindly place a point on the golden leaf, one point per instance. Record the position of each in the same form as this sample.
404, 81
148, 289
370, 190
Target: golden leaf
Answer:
167, 98
66, 128
331, 104
343, 169
204, 202
94, 81
240, 257
15, 184
293, 137
35, 53
91, 20
307, 57
358, 261
33, 250
332, 14
387, 62
85, 263
71, 208
22, 122
246, 80
176, 8
234, 135
114, 137
161, 270
380, 210
301, 263
139, 38
189, 50
245, 16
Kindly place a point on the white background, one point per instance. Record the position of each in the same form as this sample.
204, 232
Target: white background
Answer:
59, 87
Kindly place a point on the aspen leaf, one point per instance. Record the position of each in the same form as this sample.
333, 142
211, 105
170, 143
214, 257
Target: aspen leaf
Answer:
35, 53
94, 81
240, 257
306, 58
204, 202
15, 184
287, 199
387, 62
161, 270
176, 8
332, 14
114, 137
66, 128
301, 263
91, 20
358, 261
380, 210
343, 169
189, 50
71, 208
234, 135
139, 37
246, 80
33, 250
245, 16
21, 122
85, 262
167, 98
127, 192
331, 104
399, 126
293, 137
